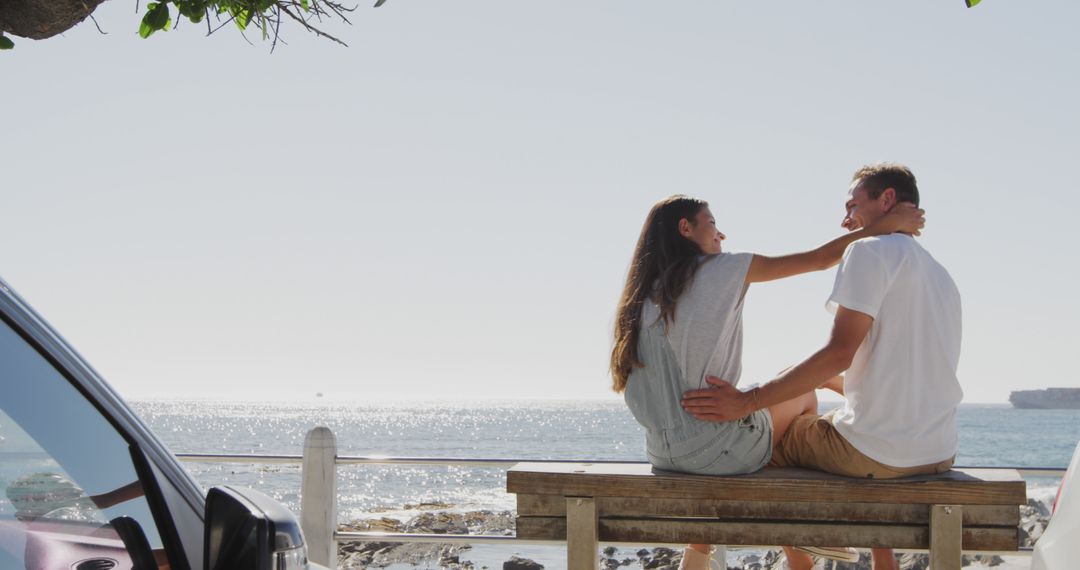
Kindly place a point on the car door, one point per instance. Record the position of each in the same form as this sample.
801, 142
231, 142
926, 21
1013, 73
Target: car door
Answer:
78, 491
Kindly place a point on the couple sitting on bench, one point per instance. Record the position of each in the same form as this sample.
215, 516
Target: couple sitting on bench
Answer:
896, 333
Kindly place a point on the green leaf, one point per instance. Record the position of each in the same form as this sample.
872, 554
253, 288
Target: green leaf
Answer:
6, 43
193, 10
243, 18
144, 28
156, 18
972, 3
304, 5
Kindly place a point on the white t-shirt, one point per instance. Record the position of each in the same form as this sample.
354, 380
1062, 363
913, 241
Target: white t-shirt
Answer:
901, 388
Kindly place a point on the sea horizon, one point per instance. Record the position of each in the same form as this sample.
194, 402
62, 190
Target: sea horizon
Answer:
382, 399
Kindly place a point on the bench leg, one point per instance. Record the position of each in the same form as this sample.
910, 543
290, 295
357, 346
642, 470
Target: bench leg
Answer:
582, 534
946, 535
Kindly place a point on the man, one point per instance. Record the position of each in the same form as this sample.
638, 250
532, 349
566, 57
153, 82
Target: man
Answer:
896, 333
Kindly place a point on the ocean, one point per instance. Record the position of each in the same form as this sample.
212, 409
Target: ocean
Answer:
990, 435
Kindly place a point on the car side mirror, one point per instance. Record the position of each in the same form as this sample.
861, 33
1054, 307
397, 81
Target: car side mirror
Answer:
246, 530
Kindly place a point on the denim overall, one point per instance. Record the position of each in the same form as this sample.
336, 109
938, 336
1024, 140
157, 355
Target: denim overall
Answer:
677, 441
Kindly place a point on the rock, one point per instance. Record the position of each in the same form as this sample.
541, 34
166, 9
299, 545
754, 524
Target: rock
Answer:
746, 560
642, 553
982, 560
383, 524
660, 558
427, 506
866, 562
448, 556
1034, 517
914, 561
1037, 507
438, 523
609, 564
610, 551
1031, 529
380, 554
519, 563
490, 522
774, 560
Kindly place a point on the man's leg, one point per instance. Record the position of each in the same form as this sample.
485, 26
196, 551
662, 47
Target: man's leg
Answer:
884, 559
798, 560
815, 443
805, 411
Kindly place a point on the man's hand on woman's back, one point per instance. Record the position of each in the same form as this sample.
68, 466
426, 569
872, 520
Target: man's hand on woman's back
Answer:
721, 403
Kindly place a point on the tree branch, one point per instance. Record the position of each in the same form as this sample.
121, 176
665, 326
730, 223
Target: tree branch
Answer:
311, 28
98, 26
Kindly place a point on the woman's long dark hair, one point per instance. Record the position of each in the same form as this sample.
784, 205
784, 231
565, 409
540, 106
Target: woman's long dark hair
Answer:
664, 262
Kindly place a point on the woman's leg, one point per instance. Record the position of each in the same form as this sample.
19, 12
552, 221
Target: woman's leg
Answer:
782, 416
785, 412
696, 557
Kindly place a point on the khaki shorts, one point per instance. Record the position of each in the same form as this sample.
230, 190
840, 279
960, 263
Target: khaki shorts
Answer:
812, 441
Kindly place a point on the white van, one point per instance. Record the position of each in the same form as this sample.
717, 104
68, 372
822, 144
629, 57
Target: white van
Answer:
1059, 546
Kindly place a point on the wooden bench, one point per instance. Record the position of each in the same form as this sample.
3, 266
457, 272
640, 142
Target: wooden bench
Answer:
585, 503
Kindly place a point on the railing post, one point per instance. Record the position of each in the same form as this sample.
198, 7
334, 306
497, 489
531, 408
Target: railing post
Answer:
318, 496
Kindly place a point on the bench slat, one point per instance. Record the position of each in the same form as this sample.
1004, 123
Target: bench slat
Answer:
979, 515
676, 531
965, 486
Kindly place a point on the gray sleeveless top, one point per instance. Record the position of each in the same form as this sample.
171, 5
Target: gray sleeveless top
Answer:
704, 338
706, 334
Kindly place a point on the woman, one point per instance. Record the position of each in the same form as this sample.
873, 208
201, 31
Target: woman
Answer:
680, 320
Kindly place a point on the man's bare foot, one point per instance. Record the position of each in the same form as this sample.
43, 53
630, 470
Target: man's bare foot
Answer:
797, 560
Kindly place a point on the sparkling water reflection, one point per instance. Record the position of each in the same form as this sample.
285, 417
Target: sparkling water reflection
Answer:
990, 435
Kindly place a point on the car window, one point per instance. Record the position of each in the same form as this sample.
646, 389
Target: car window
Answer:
66, 473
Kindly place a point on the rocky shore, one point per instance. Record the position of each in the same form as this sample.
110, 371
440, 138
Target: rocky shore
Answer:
435, 518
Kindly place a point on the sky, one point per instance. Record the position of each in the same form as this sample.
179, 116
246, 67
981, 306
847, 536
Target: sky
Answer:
446, 208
